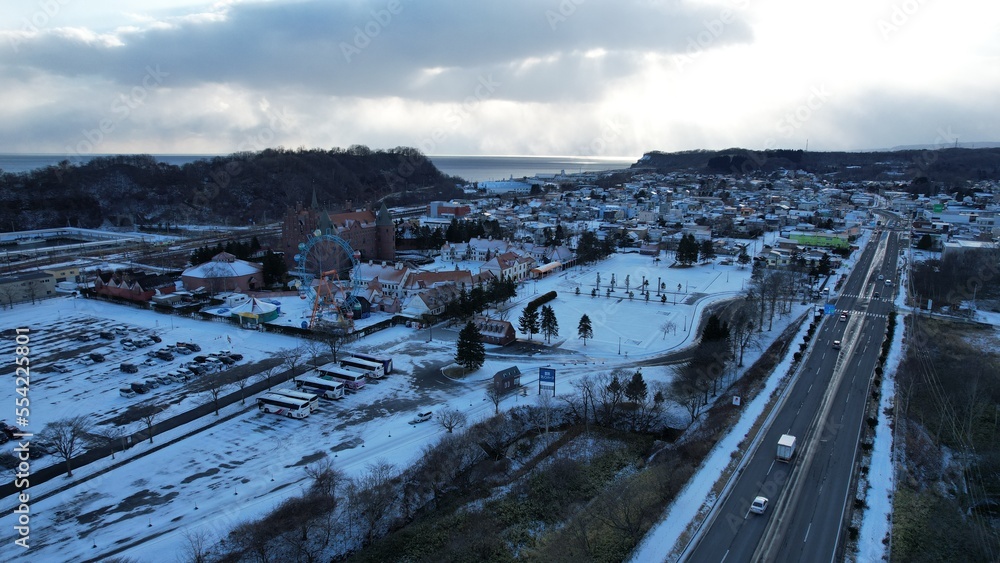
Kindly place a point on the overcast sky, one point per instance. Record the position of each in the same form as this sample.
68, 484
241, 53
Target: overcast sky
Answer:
526, 77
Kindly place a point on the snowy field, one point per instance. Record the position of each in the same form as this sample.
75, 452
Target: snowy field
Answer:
242, 467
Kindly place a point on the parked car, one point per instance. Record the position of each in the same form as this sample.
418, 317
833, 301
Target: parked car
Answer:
190, 346
126, 392
87, 361
140, 388
164, 355
226, 360
196, 370
152, 383
120, 329
142, 342
149, 362
423, 416
183, 350
107, 335
97, 357
129, 368
63, 368
237, 357
164, 380
155, 338
201, 359
8, 430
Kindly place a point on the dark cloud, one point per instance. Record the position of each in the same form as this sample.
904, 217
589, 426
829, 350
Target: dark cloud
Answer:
536, 50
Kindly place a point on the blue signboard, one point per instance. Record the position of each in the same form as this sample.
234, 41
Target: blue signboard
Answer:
829, 309
546, 375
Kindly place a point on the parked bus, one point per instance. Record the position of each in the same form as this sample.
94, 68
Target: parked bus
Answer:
374, 369
386, 361
352, 380
311, 398
323, 387
279, 404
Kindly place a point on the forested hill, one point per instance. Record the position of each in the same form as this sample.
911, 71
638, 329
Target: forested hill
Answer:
234, 189
949, 166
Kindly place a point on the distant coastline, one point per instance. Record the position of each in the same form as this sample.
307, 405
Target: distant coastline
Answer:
470, 168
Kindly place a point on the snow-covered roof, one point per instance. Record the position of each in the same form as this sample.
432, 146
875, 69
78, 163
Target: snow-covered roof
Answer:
223, 269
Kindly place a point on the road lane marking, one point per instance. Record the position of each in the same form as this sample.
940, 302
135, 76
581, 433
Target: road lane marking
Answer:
807, 533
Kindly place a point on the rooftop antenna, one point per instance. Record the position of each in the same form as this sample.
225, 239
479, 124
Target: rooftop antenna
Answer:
807, 145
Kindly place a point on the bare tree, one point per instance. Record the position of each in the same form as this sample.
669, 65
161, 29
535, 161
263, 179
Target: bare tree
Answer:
314, 350
545, 405
8, 292
242, 381
742, 333
372, 497
291, 358
196, 546
109, 436
253, 536
216, 386
68, 437
669, 326
148, 415
325, 477
494, 396
334, 342
268, 373
449, 419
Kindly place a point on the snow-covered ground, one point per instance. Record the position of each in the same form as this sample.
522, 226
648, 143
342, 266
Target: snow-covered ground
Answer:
881, 473
242, 467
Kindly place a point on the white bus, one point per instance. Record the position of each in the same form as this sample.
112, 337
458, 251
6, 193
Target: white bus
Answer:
278, 404
352, 380
311, 398
375, 370
323, 387
386, 361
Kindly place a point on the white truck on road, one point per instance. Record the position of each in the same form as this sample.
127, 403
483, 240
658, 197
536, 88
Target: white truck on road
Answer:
786, 447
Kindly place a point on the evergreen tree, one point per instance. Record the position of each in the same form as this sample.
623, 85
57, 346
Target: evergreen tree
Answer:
550, 326
824, 265
687, 250
707, 250
743, 258
470, 352
274, 268
636, 389
528, 321
925, 243
584, 330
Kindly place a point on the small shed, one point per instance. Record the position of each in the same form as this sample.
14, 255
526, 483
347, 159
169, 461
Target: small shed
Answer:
507, 379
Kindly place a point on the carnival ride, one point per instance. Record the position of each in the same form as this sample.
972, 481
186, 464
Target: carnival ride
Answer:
334, 301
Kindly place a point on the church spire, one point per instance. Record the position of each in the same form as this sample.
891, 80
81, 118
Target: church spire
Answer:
315, 202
